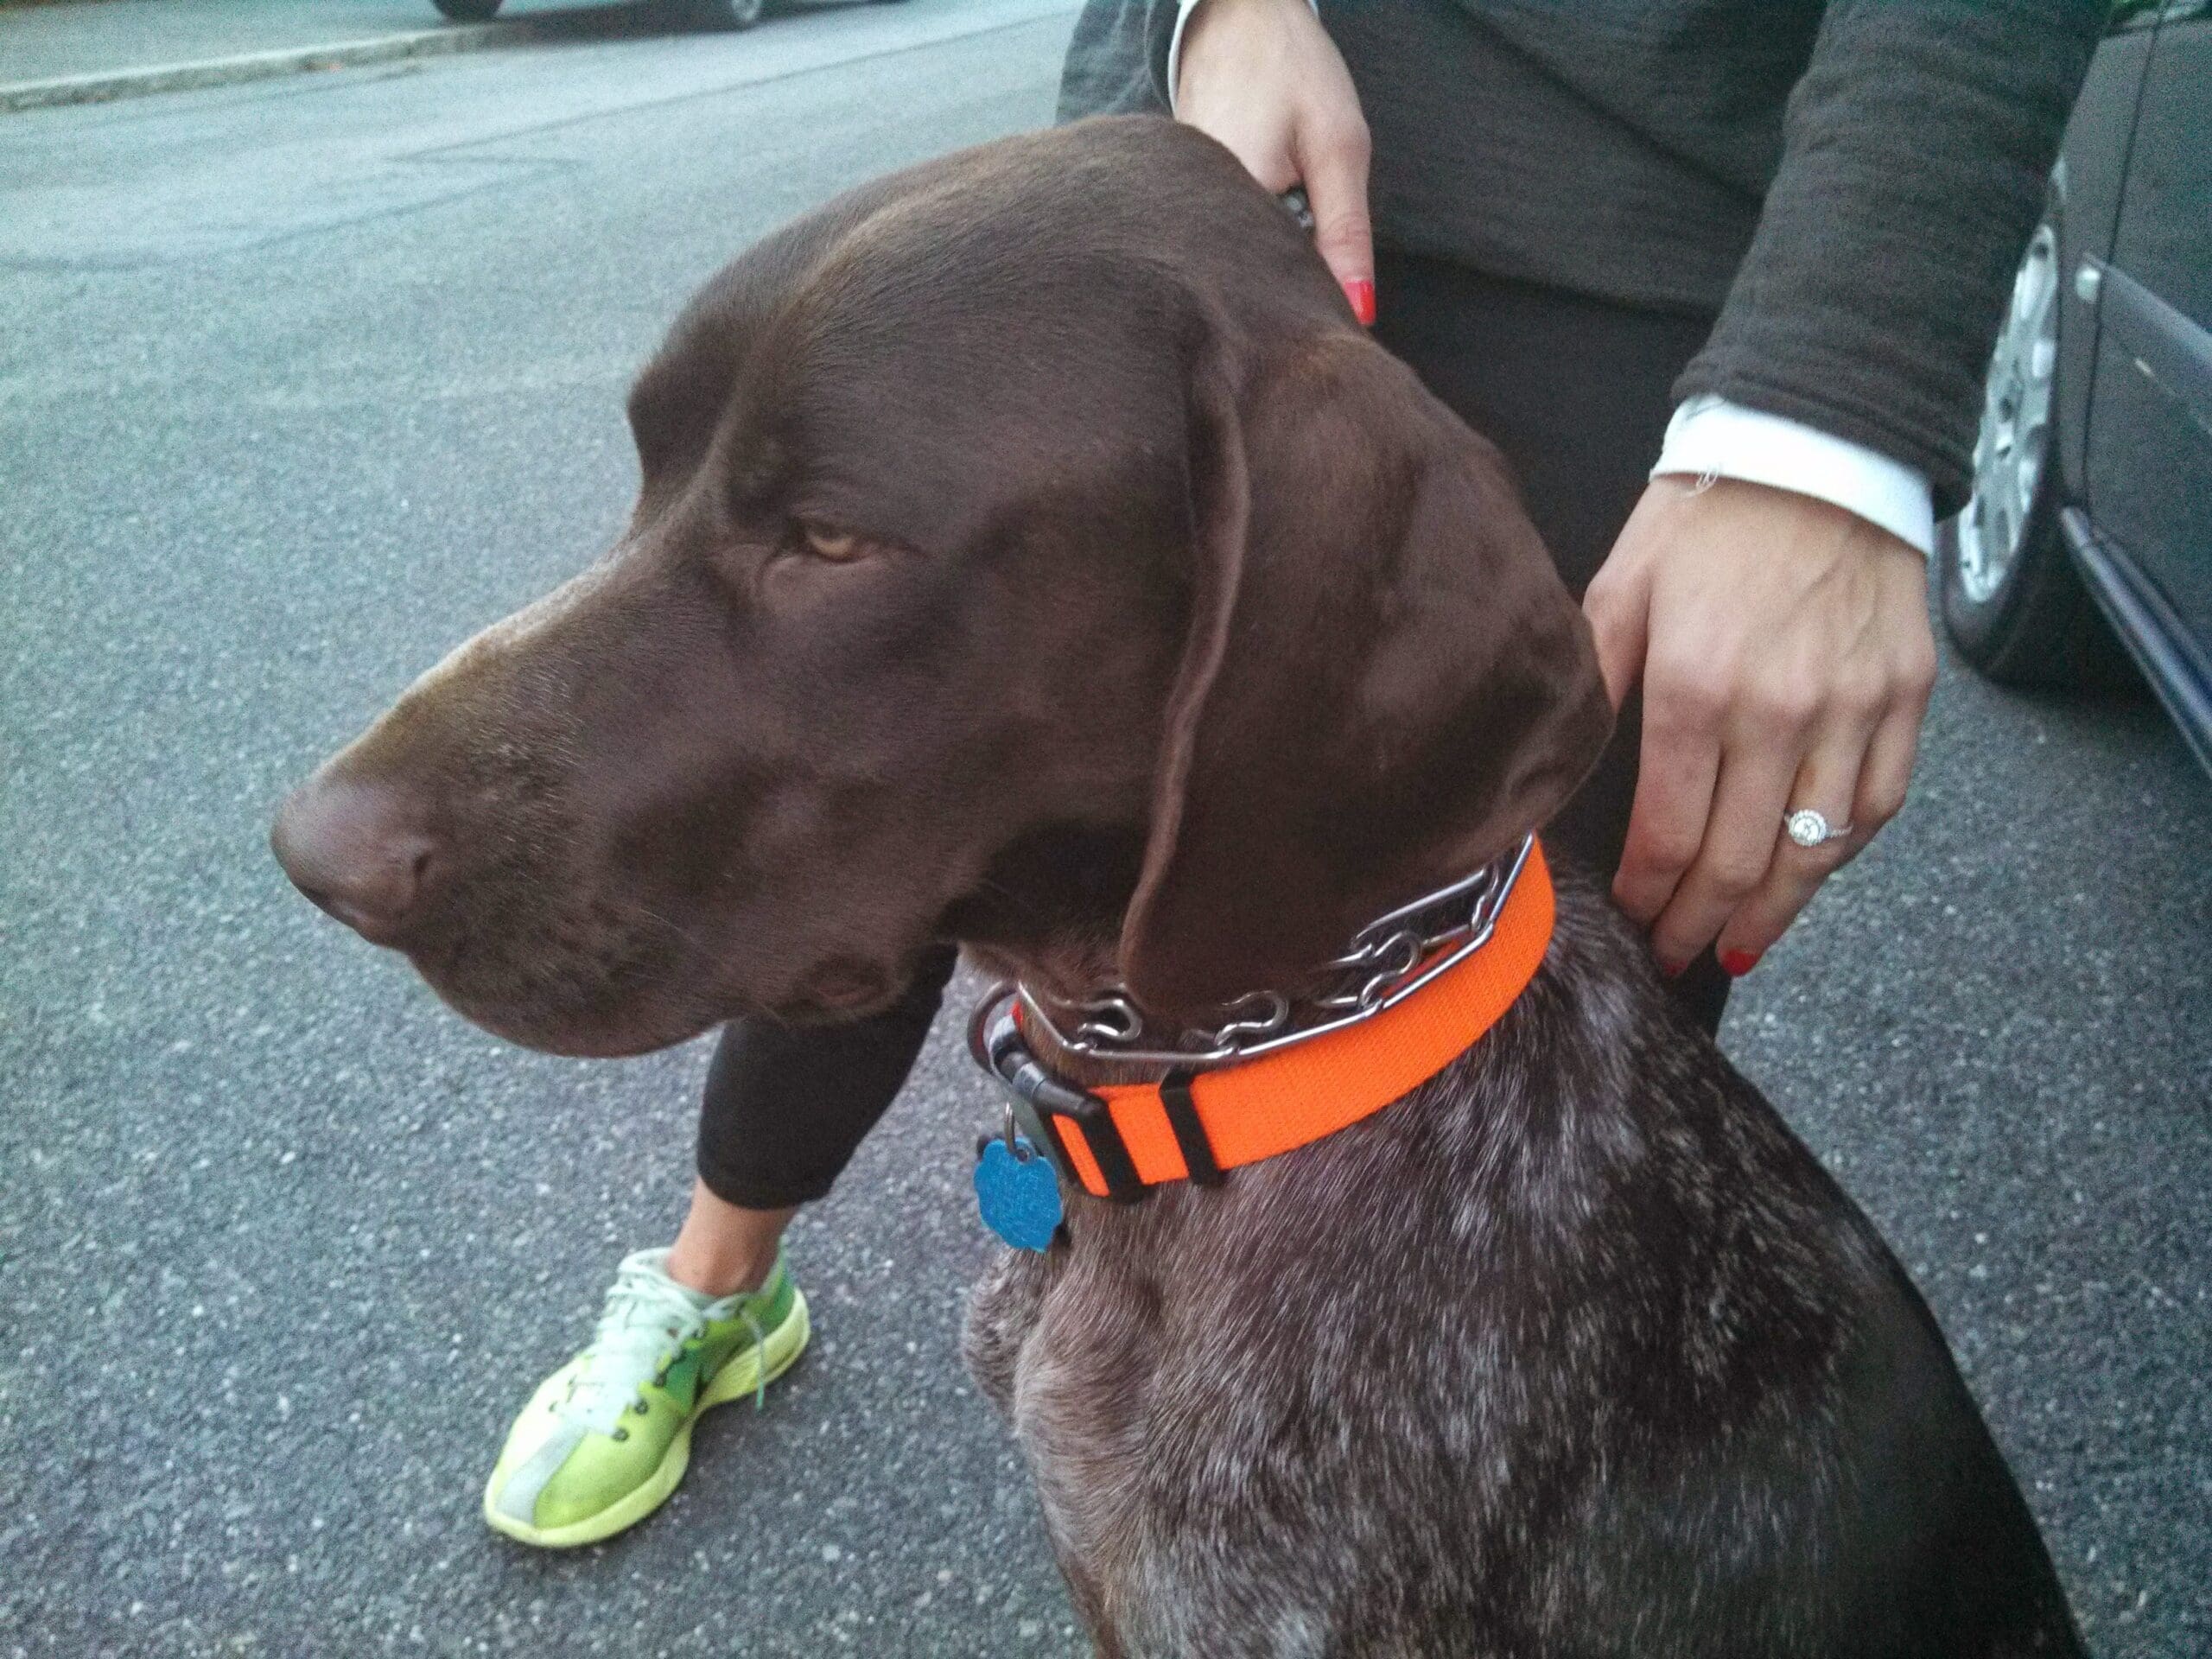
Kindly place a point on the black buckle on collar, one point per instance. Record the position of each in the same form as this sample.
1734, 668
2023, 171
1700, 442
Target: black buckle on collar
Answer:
1036, 1098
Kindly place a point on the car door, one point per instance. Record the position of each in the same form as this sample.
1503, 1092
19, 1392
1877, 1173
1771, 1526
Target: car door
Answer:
2149, 460
2085, 186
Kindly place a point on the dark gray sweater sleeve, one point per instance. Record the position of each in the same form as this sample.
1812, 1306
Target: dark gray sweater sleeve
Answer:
1917, 150
1117, 58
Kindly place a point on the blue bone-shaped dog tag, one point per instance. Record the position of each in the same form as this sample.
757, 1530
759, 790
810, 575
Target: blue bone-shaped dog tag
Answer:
1018, 1192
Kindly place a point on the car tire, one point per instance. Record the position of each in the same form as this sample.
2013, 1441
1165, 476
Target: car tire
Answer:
467, 11
2012, 601
726, 14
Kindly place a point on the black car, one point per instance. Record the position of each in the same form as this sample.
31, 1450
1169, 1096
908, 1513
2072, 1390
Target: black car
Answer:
701, 14
2093, 471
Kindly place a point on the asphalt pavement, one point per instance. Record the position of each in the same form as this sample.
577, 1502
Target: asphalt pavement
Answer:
302, 381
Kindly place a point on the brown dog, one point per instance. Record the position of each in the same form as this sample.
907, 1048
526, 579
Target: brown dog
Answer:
1032, 552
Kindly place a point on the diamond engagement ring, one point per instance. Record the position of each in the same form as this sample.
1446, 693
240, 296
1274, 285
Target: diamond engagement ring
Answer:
1808, 829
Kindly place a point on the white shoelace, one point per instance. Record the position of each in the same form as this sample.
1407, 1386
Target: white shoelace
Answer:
647, 1319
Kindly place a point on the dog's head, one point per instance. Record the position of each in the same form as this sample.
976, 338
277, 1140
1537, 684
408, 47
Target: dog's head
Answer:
1030, 546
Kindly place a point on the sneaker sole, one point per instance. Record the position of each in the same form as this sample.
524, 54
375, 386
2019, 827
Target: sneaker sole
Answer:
746, 1374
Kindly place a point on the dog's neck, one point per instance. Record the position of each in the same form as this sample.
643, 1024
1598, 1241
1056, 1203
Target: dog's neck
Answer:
1066, 970
1072, 973
1048, 915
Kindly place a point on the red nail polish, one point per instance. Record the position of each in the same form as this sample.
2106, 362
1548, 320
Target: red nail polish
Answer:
1737, 963
1361, 293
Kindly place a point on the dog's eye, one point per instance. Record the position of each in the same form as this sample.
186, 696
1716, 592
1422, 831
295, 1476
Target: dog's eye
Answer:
835, 545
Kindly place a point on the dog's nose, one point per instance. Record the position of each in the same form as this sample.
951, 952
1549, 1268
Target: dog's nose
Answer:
357, 849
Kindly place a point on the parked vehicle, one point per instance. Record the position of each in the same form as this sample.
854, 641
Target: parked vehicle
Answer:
2090, 528
703, 13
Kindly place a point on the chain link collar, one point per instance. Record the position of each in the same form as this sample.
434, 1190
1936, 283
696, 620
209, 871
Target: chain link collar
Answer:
1390, 958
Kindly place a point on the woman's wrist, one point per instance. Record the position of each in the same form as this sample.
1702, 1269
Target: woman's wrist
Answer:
1187, 12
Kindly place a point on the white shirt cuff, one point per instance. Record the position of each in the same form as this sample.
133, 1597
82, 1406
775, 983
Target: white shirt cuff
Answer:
1711, 435
1183, 10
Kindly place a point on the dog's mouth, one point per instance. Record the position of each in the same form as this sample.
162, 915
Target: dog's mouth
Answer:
548, 962
608, 981
596, 1035
588, 1028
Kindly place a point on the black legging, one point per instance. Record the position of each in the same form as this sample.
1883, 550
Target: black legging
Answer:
1577, 393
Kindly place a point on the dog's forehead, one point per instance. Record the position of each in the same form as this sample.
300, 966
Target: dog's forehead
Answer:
1026, 311
1053, 232
902, 309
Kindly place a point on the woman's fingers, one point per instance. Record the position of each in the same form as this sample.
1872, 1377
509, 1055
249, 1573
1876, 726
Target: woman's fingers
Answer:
1736, 850
1333, 155
1675, 776
1887, 769
1854, 775
1828, 782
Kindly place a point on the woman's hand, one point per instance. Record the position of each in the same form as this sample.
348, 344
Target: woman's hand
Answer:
1784, 648
1263, 77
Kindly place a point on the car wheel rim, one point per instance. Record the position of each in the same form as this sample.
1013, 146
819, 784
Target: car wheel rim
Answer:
2014, 442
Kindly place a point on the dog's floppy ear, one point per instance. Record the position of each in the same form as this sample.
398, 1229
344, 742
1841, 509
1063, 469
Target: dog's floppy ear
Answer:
1384, 683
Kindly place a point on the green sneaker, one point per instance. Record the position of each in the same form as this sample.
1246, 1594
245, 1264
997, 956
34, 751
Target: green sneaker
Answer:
604, 1439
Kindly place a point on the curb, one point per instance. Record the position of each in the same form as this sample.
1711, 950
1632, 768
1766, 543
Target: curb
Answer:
256, 66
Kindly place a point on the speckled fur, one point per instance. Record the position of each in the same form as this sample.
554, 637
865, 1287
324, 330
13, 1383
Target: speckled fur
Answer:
1575, 1350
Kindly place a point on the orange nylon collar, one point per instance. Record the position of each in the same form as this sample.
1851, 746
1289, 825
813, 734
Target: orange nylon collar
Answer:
1297, 1095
